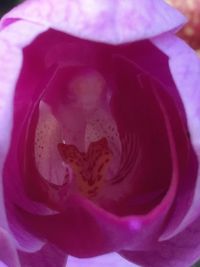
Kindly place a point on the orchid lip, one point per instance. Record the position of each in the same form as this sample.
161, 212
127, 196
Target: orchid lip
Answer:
83, 115
86, 154
88, 169
79, 150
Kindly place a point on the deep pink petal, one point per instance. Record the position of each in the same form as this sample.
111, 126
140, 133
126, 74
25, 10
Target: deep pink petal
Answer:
8, 253
134, 119
187, 79
48, 256
106, 21
182, 233
181, 251
103, 228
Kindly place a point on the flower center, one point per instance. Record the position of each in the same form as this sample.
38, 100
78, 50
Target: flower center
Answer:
88, 169
86, 90
77, 146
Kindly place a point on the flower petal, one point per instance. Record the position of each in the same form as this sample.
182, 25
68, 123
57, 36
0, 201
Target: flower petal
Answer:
187, 79
8, 76
8, 254
12, 40
181, 251
105, 21
108, 260
48, 256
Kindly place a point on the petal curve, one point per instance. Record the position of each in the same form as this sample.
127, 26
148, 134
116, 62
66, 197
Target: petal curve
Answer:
187, 79
48, 256
104, 21
8, 253
108, 260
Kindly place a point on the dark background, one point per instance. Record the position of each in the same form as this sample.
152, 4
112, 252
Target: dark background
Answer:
5, 5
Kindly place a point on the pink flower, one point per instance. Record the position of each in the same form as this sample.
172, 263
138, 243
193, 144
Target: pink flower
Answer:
100, 135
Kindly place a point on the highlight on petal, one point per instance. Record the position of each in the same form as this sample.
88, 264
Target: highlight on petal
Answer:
8, 253
104, 21
107, 260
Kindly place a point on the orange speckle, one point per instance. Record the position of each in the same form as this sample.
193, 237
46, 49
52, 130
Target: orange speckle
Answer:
89, 168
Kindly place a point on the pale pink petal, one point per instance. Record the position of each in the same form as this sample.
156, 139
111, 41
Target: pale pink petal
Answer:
105, 21
108, 260
8, 78
12, 40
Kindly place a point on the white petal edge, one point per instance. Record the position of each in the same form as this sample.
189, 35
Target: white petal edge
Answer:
108, 260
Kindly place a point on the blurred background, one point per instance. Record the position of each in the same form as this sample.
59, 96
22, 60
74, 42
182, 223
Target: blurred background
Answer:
190, 32
5, 5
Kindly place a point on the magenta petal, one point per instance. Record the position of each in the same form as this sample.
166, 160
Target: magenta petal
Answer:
102, 231
182, 233
187, 79
106, 21
48, 256
180, 251
81, 231
8, 254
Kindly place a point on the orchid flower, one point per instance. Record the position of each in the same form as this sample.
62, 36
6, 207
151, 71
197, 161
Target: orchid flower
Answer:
99, 135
